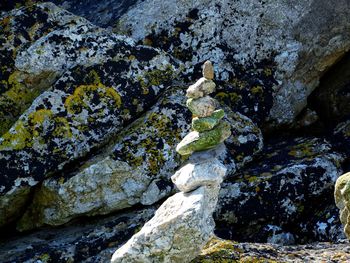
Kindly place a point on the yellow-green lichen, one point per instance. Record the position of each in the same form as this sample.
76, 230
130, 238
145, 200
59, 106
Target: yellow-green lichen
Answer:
84, 94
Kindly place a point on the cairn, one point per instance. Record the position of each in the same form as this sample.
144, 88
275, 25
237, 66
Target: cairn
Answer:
183, 224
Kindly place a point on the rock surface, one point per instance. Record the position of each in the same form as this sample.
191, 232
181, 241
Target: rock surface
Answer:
270, 53
222, 251
92, 241
83, 109
293, 178
341, 195
191, 176
177, 232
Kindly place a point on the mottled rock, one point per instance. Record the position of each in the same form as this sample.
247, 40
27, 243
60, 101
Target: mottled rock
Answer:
293, 178
202, 107
193, 175
271, 54
39, 43
92, 240
207, 123
222, 251
81, 111
135, 169
341, 195
201, 88
208, 70
177, 232
195, 141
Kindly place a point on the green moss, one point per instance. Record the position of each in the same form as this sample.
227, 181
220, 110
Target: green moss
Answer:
207, 123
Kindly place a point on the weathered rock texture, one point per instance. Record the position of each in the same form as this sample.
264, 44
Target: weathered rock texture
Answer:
341, 195
271, 54
292, 178
222, 251
85, 106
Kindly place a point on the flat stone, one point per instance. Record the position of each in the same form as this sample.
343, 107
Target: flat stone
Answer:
208, 70
195, 141
178, 231
202, 107
192, 175
202, 87
207, 123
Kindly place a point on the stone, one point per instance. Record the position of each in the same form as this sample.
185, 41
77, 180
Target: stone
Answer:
207, 123
269, 55
194, 141
178, 231
202, 107
193, 175
208, 70
342, 197
90, 240
292, 177
201, 88
220, 250
87, 105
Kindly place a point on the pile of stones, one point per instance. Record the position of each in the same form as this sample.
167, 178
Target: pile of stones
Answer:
209, 129
184, 223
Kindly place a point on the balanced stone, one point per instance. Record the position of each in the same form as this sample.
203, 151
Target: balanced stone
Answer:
194, 175
201, 88
195, 141
202, 107
207, 123
208, 70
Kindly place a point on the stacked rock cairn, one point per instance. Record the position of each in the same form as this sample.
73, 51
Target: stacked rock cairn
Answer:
183, 224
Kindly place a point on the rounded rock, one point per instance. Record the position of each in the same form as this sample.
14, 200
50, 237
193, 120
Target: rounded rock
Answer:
201, 88
202, 107
208, 70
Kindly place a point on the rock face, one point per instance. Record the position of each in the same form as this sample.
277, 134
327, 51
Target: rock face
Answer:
341, 195
184, 223
270, 53
293, 178
83, 109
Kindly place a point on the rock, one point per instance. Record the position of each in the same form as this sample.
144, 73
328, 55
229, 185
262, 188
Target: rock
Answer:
193, 175
270, 54
92, 240
207, 123
219, 250
293, 178
341, 136
135, 169
201, 88
177, 232
202, 107
208, 70
194, 141
84, 108
341, 195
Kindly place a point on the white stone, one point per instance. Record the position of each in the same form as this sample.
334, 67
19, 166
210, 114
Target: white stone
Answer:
192, 176
178, 231
201, 88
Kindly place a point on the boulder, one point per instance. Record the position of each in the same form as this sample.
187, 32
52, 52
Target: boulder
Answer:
270, 54
289, 186
177, 232
82, 110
